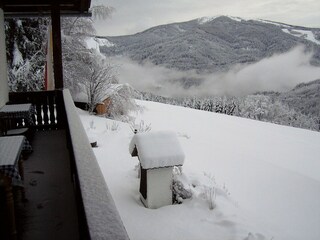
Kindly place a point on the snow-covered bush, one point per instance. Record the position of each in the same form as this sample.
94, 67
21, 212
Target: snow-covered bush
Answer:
210, 194
122, 101
210, 190
112, 127
92, 125
179, 192
140, 127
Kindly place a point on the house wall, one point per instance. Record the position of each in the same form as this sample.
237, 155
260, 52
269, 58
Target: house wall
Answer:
159, 191
4, 90
102, 108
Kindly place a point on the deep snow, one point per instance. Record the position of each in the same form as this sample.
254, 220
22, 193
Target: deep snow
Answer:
265, 177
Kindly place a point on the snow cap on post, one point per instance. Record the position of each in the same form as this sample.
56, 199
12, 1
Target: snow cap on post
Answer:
157, 149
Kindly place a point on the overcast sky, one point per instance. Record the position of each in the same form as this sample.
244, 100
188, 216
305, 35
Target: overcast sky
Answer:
132, 16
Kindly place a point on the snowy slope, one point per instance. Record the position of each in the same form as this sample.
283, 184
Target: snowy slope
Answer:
306, 34
266, 177
301, 32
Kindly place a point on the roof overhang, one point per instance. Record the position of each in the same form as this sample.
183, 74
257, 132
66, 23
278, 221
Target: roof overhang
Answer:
44, 7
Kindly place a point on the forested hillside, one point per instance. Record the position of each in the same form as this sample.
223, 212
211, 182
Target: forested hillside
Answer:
212, 44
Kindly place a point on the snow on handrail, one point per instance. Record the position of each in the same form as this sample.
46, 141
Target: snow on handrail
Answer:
102, 217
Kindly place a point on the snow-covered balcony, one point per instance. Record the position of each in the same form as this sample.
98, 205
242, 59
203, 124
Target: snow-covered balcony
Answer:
68, 197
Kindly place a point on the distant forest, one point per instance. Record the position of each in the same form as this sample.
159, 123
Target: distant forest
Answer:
268, 107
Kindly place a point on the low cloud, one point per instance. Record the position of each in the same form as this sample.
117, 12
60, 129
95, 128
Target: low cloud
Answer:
277, 73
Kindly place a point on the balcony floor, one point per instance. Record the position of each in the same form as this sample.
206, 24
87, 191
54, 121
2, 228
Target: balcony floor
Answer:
50, 212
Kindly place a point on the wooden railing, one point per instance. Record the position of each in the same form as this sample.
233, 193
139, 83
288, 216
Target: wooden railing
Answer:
47, 106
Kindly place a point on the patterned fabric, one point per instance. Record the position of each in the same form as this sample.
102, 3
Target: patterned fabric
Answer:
26, 147
10, 171
10, 150
19, 111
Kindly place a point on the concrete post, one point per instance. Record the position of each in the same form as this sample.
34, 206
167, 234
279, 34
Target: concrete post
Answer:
4, 89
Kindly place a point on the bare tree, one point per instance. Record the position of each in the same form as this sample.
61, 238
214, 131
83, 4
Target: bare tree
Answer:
83, 66
100, 79
88, 71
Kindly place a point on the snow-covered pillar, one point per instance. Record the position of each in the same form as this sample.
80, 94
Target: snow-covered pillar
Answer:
4, 89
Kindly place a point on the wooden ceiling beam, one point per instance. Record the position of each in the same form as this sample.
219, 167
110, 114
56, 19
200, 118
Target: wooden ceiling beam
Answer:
11, 7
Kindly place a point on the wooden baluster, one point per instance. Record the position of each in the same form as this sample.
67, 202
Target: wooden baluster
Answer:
60, 109
54, 104
33, 116
39, 115
51, 110
45, 113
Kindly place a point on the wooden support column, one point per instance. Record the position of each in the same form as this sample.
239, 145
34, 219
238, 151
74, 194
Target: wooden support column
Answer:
57, 49
4, 89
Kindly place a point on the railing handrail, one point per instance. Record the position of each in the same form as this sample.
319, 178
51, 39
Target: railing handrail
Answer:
103, 219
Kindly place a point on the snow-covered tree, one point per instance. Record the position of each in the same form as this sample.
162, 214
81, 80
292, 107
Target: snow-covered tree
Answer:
26, 49
87, 70
84, 69
122, 100
266, 109
79, 26
26, 46
100, 78
75, 56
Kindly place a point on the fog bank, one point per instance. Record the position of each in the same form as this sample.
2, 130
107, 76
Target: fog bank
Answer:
277, 73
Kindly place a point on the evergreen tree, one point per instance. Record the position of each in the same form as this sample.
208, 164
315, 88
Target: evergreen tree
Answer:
26, 49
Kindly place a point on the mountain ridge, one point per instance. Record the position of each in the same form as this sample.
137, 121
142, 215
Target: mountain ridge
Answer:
214, 45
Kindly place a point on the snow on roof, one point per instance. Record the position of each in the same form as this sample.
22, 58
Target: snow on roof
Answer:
157, 149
